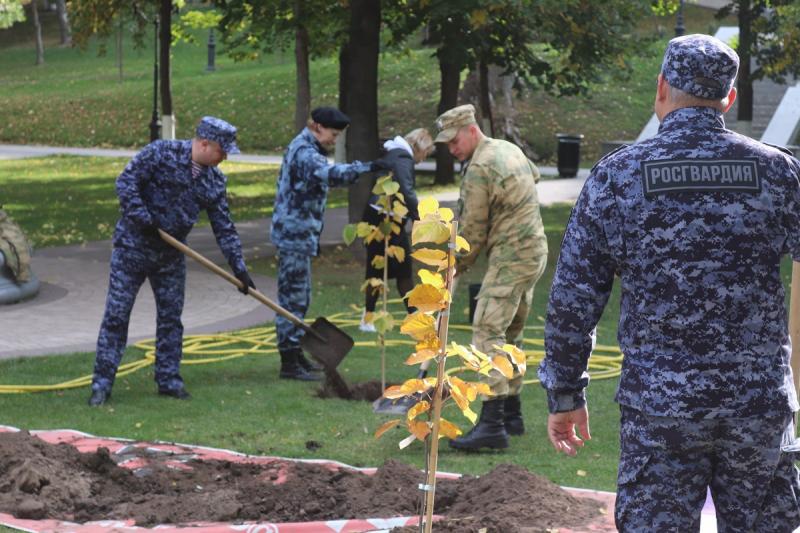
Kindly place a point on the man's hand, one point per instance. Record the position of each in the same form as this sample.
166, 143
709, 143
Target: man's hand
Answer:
247, 283
150, 231
561, 430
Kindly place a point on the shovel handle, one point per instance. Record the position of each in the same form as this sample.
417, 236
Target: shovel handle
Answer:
233, 279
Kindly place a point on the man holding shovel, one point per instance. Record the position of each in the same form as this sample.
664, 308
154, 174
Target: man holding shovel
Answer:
695, 222
498, 212
164, 187
303, 185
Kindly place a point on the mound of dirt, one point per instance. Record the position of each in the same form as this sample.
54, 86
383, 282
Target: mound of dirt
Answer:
40, 480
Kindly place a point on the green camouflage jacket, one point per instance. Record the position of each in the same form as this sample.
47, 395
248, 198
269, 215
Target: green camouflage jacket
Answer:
498, 211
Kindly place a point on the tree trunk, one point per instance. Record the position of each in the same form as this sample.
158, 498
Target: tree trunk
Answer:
302, 106
165, 42
485, 99
119, 45
63, 23
38, 29
361, 85
744, 116
448, 98
340, 153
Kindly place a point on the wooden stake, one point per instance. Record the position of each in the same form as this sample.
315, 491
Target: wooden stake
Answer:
794, 324
385, 306
444, 320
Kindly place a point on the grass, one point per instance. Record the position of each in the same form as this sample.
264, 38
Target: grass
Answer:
240, 404
77, 99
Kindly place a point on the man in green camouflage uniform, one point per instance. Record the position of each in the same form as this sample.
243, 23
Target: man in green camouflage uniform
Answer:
498, 212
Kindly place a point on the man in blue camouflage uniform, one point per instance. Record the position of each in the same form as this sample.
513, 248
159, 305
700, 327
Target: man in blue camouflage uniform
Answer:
694, 222
164, 186
303, 185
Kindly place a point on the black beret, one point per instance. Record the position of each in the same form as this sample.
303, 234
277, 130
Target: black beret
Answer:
330, 117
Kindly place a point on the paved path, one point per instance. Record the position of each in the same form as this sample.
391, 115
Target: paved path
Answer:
65, 316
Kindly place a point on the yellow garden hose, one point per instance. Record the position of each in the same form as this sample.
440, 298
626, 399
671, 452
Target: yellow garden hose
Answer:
605, 362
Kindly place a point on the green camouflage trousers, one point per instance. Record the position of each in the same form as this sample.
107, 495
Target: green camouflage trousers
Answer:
500, 319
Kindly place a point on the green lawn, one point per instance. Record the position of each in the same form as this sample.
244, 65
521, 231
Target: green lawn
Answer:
240, 403
76, 97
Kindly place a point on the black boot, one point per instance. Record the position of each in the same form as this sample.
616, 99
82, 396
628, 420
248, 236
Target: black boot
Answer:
307, 364
489, 432
512, 418
291, 368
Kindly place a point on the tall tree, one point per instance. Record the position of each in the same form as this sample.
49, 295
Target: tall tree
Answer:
11, 11
98, 18
359, 94
37, 26
314, 27
557, 45
769, 38
63, 22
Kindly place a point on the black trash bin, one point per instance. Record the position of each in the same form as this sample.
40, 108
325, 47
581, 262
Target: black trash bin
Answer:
474, 289
569, 154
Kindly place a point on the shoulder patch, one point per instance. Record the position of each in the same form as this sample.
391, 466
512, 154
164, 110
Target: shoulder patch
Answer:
781, 148
700, 175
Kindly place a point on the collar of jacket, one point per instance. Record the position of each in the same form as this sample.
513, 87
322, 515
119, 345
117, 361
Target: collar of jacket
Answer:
693, 117
309, 138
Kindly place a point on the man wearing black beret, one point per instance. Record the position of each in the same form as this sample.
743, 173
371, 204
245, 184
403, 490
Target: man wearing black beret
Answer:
305, 177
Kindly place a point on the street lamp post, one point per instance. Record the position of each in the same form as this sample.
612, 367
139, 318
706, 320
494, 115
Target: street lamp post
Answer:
155, 123
680, 29
212, 47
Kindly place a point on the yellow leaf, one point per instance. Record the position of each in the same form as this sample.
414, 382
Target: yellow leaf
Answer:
390, 187
420, 357
461, 244
429, 231
431, 257
426, 298
518, 357
418, 409
398, 252
418, 428
446, 213
458, 391
379, 183
378, 262
470, 415
431, 278
428, 205
418, 325
448, 429
482, 388
394, 392
399, 210
503, 365
363, 229
386, 427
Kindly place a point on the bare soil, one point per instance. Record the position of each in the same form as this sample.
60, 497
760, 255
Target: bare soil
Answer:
40, 480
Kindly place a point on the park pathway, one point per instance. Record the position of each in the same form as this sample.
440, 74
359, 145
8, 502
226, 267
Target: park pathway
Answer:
65, 316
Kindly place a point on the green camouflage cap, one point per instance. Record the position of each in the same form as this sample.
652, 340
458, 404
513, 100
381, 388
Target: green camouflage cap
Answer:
453, 120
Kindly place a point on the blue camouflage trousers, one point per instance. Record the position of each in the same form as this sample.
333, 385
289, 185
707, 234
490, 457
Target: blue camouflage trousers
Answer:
294, 295
129, 269
666, 465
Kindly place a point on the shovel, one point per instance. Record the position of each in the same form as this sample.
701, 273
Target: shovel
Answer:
323, 341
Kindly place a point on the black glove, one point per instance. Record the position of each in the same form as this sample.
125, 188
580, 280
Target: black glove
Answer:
150, 230
379, 164
247, 283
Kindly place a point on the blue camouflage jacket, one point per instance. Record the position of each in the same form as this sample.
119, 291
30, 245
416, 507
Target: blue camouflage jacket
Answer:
694, 222
303, 187
157, 188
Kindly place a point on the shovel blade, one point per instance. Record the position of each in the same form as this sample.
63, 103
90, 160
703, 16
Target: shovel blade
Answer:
327, 344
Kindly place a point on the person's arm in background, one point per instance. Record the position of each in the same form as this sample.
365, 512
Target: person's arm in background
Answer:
473, 216
579, 292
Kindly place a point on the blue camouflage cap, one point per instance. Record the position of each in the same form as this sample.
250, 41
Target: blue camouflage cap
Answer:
216, 129
700, 65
